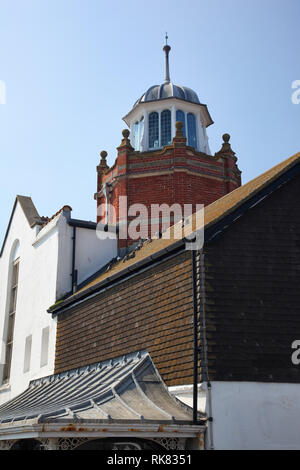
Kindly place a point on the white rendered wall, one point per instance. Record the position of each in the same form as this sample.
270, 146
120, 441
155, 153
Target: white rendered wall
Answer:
92, 253
36, 291
255, 415
44, 276
249, 415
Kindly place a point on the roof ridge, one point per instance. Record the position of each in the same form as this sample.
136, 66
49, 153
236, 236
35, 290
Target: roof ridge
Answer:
48, 219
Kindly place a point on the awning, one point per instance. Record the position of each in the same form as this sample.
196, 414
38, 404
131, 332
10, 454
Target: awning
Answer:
118, 392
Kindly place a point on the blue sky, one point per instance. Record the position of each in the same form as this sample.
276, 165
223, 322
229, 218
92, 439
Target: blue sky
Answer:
74, 68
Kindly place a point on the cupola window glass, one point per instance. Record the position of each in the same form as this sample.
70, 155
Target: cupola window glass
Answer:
141, 133
165, 125
138, 132
153, 130
136, 135
191, 125
180, 116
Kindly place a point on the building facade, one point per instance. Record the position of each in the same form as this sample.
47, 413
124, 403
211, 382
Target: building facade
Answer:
42, 259
156, 345
244, 283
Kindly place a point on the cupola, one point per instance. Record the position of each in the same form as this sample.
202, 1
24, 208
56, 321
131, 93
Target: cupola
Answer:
153, 116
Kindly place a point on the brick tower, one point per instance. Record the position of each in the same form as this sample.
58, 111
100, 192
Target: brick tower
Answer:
167, 160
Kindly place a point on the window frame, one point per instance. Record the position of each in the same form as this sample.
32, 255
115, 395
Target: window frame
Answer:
10, 324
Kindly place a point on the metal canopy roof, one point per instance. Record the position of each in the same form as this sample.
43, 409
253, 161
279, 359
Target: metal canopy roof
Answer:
126, 389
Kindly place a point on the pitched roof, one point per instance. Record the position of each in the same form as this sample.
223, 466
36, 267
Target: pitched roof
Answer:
125, 389
30, 212
173, 237
48, 219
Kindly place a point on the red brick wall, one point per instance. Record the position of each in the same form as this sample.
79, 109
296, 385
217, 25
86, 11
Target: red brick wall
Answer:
172, 175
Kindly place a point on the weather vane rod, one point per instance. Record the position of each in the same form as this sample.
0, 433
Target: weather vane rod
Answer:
167, 49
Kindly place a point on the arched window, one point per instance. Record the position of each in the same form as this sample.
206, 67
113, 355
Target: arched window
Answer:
180, 116
165, 127
153, 130
191, 125
11, 310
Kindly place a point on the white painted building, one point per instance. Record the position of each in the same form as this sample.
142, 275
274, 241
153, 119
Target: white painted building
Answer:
247, 415
41, 260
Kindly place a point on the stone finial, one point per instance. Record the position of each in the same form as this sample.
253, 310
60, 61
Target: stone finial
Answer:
103, 163
103, 156
179, 141
126, 141
179, 127
226, 138
226, 147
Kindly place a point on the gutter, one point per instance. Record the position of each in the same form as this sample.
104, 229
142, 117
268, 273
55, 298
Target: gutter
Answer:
130, 271
82, 224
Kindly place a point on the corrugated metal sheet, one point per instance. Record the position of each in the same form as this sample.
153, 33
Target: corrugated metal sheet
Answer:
120, 390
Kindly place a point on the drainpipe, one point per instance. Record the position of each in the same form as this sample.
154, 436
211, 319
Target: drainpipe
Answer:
74, 271
203, 341
200, 325
106, 191
195, 325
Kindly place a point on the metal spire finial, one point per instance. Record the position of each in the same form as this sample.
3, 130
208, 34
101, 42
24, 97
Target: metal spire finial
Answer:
167, 49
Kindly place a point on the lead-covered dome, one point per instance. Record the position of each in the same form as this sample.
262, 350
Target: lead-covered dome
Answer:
168, 90
152, 120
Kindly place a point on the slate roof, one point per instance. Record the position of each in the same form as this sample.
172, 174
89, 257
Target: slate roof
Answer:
126, 389
30, 212
213, 213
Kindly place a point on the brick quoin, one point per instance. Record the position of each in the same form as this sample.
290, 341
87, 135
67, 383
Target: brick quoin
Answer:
177, 173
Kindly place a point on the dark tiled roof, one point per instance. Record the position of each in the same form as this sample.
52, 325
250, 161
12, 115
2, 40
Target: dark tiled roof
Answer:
30, 212
48, 219
119, 390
